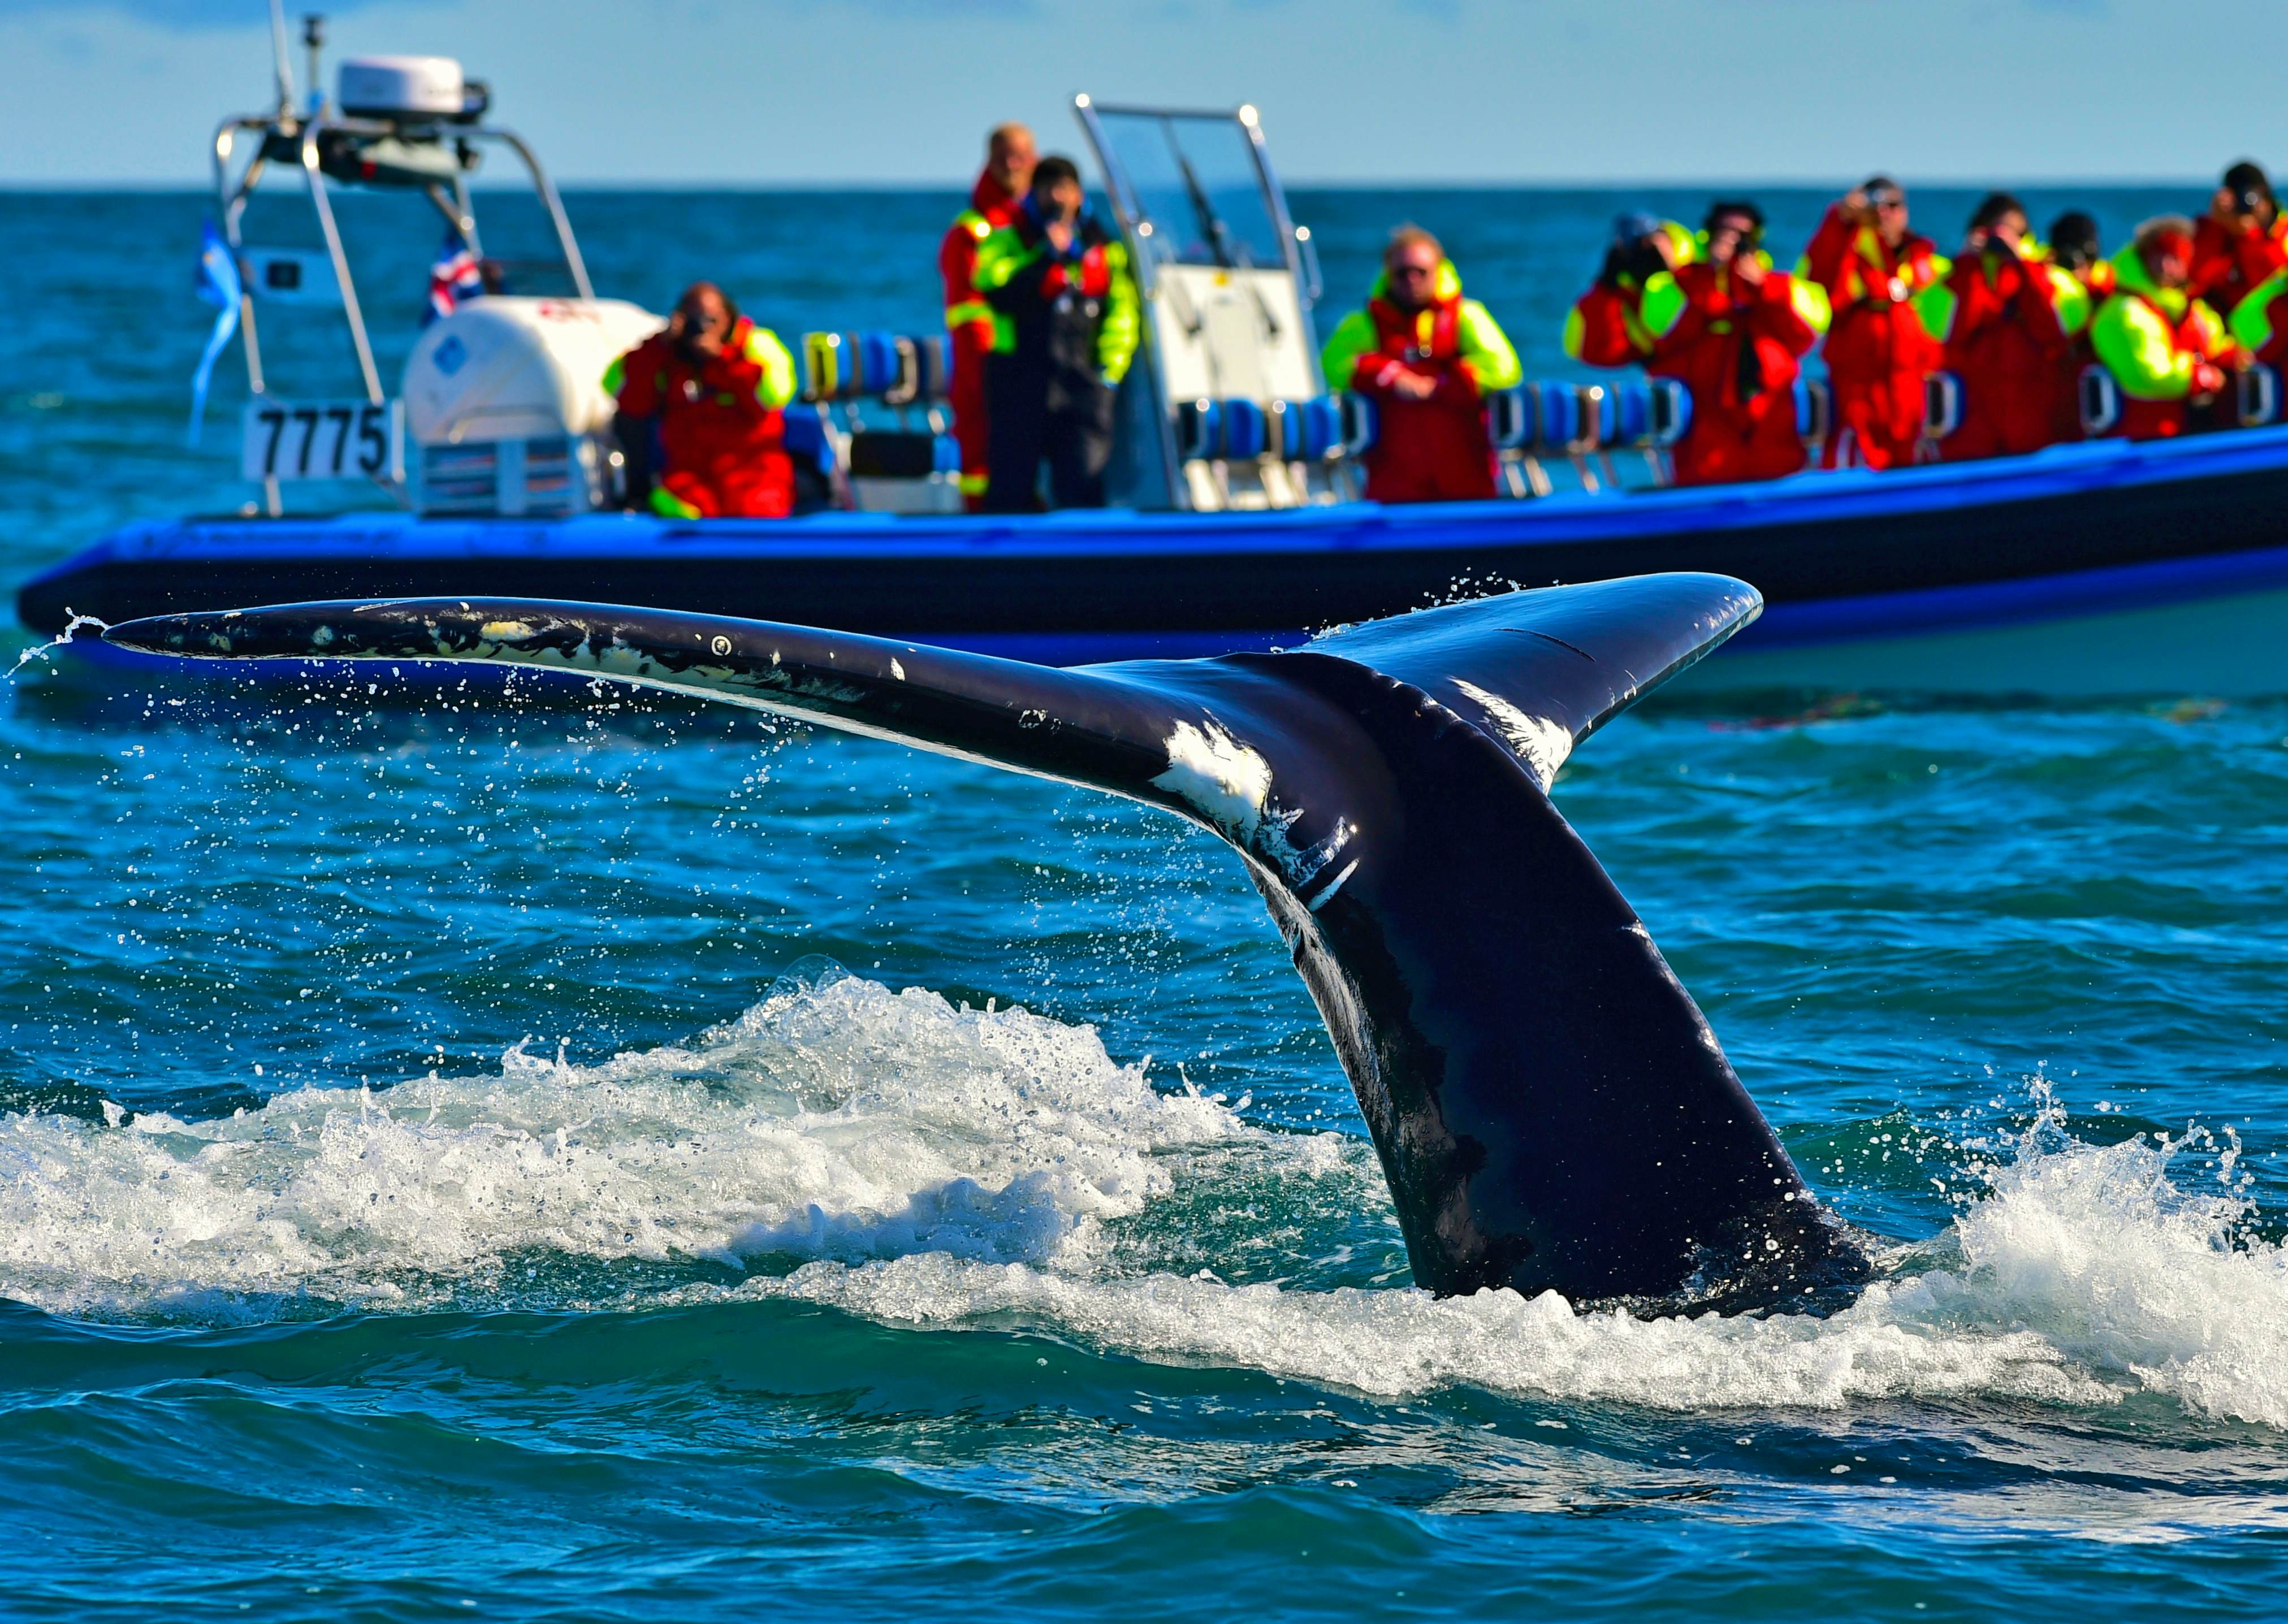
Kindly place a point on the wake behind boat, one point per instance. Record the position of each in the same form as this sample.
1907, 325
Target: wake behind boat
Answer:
2102, 567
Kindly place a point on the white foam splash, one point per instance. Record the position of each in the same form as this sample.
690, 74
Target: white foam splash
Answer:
72, 624
836, 1121
950, 1168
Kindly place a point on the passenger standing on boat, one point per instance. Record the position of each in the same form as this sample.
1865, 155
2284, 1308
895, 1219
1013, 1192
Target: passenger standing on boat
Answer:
1735, 338
1608, 326
1065, 321
1427, 357
2166, 350
993, 203
2005, 320
2241, 242
1871, 268
701, 417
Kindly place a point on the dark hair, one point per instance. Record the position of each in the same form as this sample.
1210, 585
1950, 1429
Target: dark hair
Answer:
2248, 176
1881, 183
2073, 240
1053, 168
1992, 207
1718, 210
730, 304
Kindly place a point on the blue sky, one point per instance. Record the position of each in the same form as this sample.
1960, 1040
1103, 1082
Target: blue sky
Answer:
770, 92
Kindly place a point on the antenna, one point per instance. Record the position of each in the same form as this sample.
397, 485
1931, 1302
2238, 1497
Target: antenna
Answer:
314, 36
285, 66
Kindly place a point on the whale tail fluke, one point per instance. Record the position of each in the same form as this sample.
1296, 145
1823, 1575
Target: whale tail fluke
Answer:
1551, 1109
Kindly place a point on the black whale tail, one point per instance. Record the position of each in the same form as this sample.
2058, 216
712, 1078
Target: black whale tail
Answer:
1551, 1109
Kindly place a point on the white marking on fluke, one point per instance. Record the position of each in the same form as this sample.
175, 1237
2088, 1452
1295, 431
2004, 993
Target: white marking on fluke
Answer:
1228, 781
1543, 745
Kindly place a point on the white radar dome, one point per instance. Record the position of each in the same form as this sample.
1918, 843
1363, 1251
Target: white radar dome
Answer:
400, 87
502, 368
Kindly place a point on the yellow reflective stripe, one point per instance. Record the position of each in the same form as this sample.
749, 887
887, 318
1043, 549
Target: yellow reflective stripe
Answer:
1117, 334
966, 312
776, 387
2069, 299
1574, 327
2251, 319
1661, 308
1486, 350
1937, 307
1353, 336
667, 504
615, 375
974, 484
1810, 302
2134, 341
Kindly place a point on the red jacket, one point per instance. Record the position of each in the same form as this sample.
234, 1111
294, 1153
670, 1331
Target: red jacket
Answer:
1736, 349
969, 322
2006, 344
1877, 350
722, 447
2227, 266
1435, 450
1605, 330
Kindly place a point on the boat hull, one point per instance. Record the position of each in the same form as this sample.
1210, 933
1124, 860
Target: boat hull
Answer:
1924, 578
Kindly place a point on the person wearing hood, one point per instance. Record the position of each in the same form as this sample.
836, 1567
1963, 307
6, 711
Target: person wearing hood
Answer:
1427, 357
1872, 267
702, 414
2005, 319
1735, 336
2167, 350
1065, 327
1001, 188
2241, 242
1613, 324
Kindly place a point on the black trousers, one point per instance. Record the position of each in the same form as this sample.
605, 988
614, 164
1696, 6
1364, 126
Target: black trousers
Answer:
1035, 414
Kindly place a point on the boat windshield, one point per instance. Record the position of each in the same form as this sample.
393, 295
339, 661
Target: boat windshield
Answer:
1195, 180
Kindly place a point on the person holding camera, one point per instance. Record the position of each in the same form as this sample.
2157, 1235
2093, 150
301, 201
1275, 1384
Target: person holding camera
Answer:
701, 417
2241, 242
1610, 325
1735, 336
1065, 328
1872, 267
2005, 319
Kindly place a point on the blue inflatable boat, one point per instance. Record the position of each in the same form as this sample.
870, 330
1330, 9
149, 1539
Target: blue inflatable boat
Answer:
2101, 567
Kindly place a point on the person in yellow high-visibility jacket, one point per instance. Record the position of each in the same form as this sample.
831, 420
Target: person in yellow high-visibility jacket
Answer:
1427, 356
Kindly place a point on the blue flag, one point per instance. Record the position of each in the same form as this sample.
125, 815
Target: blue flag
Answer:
218, 284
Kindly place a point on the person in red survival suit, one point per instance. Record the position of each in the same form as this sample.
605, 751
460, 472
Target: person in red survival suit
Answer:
1000, 191
1607, 326
1427, 357
1872, 267
2240, 243
701, 420
2003, 334
1733, 339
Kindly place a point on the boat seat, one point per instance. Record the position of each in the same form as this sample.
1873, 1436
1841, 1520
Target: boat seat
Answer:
2257, 396
1239, 430
894, 369
1814, 410
2100, 398
1942, 404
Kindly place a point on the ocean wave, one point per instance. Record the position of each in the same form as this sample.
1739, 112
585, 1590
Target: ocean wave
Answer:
922, 1163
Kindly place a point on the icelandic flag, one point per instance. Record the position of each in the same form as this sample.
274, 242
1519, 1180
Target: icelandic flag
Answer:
454, 278
219, 285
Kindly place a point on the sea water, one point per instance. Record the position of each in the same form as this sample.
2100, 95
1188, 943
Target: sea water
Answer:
635, 1161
